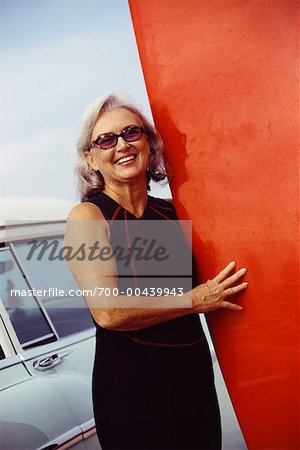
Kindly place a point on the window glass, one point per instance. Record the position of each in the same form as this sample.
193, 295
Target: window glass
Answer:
2, 356
51, 275
27, 318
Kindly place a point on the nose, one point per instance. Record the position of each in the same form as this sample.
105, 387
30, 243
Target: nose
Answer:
121, 144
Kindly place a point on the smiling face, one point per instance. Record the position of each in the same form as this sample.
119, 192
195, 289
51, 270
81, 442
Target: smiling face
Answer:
125, 162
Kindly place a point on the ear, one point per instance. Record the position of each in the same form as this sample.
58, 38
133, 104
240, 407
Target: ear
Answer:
90, 160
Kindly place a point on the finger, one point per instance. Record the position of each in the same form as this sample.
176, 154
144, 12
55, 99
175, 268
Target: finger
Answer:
229, 281
231, 306
223, 274
235, 289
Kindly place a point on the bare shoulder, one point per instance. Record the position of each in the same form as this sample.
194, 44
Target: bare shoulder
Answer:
86, 222
85, 211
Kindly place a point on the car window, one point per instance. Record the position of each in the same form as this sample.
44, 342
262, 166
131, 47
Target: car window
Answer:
51, 275
2, 355
25, 314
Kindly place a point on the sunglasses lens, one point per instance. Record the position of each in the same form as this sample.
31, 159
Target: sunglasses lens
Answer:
110, 140
107, 142
132, 134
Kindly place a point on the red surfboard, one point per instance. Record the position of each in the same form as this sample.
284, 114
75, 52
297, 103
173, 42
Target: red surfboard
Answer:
222, 80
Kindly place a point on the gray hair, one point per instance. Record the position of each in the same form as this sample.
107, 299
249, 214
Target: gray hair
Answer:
90, 181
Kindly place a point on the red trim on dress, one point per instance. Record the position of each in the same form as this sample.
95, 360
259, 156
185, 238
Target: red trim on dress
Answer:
129, 245
136, 339
168, 208
116, 212
165, 217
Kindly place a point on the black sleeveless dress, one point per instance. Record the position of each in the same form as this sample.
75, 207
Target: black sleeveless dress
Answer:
153, 388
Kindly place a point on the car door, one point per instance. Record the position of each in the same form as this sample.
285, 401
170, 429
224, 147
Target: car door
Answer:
70, 368
33, 412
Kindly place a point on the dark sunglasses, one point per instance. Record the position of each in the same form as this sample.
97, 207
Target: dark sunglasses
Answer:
110, 140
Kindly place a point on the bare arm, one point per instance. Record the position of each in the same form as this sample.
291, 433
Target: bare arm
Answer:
87, 225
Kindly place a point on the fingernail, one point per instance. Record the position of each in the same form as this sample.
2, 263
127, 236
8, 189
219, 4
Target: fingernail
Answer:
244, 270
245, 284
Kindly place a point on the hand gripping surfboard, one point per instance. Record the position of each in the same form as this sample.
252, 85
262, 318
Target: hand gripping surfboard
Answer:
222, 80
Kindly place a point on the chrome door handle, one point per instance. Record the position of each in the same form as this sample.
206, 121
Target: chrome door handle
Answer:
50, 361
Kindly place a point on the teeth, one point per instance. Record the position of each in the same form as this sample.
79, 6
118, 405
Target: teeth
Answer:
120, 161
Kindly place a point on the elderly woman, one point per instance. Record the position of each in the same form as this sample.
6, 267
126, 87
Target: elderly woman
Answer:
152, 384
